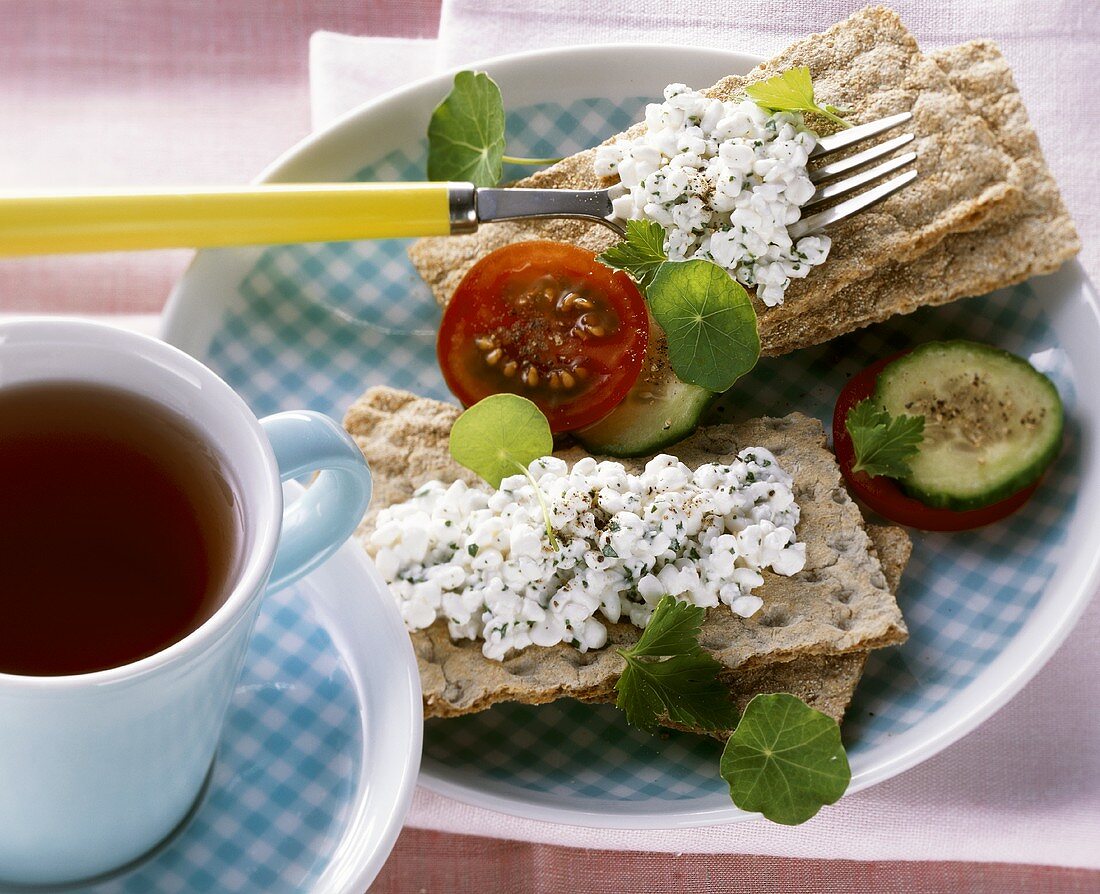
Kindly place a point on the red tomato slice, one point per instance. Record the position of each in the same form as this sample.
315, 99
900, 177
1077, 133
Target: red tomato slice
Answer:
549, 322
883, 495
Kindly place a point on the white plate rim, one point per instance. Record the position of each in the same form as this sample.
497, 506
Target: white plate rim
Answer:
1058, 609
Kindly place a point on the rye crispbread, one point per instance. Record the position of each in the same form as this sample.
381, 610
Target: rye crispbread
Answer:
824, 682
839, 604
1036, 238
870, 64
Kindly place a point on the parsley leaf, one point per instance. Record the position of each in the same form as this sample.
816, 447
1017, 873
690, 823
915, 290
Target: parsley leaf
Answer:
673, 629
640, 253
785, 760
466, 133
883, 444
791, 91
682, 684
502, 435
709, 321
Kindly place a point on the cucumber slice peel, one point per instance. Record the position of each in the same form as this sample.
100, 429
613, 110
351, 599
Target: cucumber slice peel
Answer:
992, 422
658, 411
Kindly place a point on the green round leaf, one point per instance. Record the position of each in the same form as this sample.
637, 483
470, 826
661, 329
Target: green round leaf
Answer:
709, 321
785, 760
466, 133
500, 436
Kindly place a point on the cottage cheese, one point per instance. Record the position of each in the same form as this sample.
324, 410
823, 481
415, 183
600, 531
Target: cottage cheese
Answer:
725, 180
482, 560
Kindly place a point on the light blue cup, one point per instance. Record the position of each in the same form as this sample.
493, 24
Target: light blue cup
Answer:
96, 769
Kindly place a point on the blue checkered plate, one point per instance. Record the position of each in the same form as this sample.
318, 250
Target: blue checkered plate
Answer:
318, 760
313, 325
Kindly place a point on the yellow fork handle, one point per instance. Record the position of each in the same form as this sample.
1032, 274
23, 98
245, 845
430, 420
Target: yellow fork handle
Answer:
252, 215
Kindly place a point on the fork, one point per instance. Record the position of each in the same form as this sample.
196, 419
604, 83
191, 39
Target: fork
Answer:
35, 224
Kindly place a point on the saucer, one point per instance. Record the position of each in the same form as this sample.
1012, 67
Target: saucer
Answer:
320, 752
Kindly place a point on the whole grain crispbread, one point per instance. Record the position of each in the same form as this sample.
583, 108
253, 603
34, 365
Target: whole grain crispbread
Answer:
871, 64
1036, 238
824, 682
840, 603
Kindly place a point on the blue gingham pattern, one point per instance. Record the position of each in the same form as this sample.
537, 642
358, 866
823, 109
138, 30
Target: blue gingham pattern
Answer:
285, 775
315, 325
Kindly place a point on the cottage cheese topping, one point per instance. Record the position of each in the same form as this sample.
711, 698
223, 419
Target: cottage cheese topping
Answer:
481, 558
725, 180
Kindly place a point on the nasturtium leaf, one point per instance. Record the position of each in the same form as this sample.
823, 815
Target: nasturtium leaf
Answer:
466, 132
791, 91
709, 321
785, 760
640, 253
682, 684
883, 444
499, 436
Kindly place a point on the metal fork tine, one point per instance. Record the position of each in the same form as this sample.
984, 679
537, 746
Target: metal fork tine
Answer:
847, 208
840, 188
852, 135
853, 162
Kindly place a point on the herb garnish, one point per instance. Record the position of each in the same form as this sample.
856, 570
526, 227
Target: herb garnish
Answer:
669, 675
502, 435
466, 133
640, 254
709, 320
792, 91
883, 444
706, 314
785, 760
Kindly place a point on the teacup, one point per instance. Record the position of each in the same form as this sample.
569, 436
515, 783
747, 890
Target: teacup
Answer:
97, 768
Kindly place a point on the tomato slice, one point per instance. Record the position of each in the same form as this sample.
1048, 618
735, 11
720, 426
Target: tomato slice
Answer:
884, 495
549, 322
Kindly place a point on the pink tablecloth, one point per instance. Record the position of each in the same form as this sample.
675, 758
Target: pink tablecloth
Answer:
160, 92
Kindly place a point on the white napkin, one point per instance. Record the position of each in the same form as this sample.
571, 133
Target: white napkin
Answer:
345, 71
1024, 787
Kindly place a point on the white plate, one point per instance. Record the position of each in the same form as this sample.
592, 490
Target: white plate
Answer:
314, 325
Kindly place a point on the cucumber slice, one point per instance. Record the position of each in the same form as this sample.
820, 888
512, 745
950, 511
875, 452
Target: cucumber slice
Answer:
659, 410
992, 423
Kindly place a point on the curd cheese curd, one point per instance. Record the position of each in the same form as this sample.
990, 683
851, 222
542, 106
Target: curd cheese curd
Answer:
482, 559
725, 179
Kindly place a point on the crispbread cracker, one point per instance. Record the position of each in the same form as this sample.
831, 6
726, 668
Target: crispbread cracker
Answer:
870, 63
1036, 238
839, 603
824, 682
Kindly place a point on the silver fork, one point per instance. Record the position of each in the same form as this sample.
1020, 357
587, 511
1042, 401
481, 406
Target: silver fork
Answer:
472, 206
272, 213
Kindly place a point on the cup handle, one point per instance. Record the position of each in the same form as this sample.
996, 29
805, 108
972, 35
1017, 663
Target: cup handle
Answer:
327, 514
